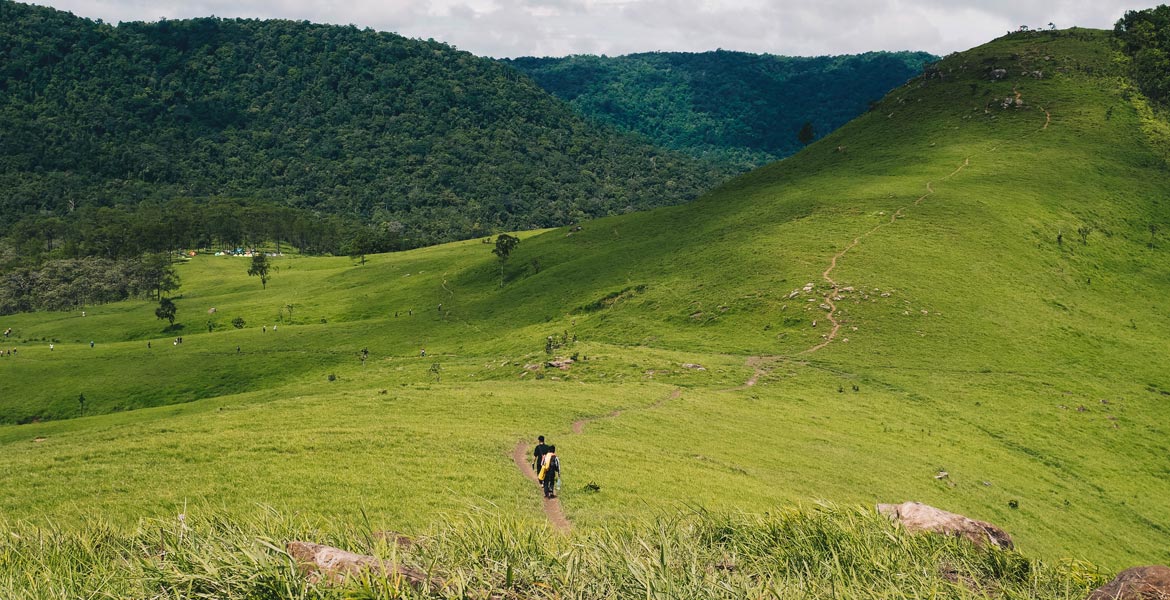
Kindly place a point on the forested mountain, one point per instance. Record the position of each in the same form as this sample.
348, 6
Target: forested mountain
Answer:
155, 136
738, 109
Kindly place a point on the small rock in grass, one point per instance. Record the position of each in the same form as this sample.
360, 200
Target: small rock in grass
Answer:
334, 565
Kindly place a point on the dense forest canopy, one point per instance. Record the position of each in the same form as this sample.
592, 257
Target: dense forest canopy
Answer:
320, 128
738, 109
1145, 37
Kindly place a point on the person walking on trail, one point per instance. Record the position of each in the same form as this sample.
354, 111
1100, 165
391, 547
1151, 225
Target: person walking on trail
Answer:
549, 471
538, 454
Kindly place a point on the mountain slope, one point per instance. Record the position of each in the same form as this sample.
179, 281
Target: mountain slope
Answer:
736, 108
428, 142
983, 239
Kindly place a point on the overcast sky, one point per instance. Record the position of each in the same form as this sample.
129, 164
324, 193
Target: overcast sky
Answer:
508, 28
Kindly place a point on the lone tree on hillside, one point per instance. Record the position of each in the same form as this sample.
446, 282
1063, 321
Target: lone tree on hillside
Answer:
158, 271
259, 268
166, 310
807, 134
361, 244
504, 245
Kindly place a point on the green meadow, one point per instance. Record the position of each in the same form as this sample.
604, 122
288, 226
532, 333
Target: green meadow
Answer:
1002, 289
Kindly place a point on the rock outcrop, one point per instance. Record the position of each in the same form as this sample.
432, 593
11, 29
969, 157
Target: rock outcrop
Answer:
915, 516
1138, 583
334, 565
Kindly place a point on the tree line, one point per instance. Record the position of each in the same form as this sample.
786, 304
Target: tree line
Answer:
71, 283
153, 226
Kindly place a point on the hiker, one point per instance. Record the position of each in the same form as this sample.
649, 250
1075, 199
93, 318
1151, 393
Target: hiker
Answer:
50, 346
91, 343
422, 352
148, 345
549, 471
538, 454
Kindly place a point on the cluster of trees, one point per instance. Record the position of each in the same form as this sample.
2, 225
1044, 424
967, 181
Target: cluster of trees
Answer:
738, 109
416, 140
129, 230
1145, 37
65, 284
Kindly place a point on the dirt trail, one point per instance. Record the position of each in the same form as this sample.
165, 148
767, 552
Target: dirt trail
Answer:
835, 287
552, 506
759, 366
757, 361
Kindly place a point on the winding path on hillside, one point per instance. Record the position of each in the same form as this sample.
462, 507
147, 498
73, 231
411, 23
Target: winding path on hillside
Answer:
552, 506
760, 364
835, 288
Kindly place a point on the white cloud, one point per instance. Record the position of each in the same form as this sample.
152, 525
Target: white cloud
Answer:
558, 27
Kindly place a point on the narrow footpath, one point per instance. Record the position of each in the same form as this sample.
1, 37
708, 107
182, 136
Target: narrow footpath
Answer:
522, 457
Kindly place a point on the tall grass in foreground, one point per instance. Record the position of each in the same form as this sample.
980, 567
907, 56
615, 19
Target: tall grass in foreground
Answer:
817, 552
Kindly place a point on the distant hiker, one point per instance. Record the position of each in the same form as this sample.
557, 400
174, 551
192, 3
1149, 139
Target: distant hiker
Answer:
50, 346
549, 470
91, 343
440, 307
237, 349
410, 312
263, 329
538, 454
395, 314
148, 345
8, 332
83, 313
274, 329
422, 352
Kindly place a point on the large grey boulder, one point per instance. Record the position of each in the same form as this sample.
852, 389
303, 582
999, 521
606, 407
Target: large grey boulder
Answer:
916, 516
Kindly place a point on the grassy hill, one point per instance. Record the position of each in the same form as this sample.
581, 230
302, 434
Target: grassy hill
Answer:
735, 108
989, 240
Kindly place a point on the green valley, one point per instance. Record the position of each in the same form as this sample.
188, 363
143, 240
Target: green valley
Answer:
955, 299
734, 108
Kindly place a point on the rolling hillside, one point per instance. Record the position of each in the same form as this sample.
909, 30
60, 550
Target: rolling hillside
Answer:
734, 108
955, 298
